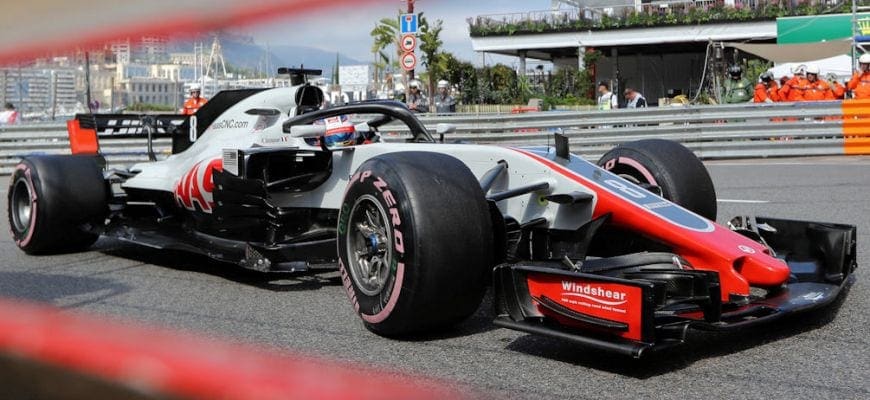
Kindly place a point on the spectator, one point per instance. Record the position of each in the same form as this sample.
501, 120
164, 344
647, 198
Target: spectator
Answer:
606, 100
194, 102
860, 83
836, 87
817, 89
9, 116
444, 102
794, 88
767, 90
634, 99
737, 88
417, 101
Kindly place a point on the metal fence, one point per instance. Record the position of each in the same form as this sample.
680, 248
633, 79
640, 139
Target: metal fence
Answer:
713, 132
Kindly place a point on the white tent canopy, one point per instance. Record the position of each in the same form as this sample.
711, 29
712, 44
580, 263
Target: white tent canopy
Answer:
800, 52
839, 65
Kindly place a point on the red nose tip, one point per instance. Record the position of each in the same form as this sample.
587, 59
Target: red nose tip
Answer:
768, 271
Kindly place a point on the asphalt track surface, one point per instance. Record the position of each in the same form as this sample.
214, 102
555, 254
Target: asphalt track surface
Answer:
825, 354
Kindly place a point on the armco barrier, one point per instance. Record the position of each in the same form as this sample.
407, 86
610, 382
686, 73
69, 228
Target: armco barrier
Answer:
728, 131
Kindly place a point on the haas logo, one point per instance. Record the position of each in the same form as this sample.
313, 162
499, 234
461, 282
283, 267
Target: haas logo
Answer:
196, 186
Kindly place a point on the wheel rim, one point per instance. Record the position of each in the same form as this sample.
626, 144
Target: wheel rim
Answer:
22, 206
370, 254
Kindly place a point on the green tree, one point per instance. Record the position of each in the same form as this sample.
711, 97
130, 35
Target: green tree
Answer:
430, 46
459, 73
384, 35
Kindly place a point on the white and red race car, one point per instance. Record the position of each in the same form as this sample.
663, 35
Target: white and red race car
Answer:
624, 255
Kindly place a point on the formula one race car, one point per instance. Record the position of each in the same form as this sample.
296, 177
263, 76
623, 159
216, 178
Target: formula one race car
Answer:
623, 255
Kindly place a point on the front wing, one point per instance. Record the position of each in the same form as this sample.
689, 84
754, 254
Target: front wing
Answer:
654, 305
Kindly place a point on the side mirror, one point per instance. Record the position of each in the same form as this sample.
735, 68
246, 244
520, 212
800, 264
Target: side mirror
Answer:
443, 129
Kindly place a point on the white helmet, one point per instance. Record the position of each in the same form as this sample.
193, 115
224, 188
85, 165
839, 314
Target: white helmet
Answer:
813, 69
443, 84
864, 59
414, 84
800, 69
195, 87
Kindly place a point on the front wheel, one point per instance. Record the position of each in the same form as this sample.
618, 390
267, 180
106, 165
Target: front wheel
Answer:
671, 167
414, 242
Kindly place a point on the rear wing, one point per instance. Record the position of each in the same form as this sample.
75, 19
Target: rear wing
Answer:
87, 130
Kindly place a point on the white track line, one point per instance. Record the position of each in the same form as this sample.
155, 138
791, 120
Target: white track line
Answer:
742, 201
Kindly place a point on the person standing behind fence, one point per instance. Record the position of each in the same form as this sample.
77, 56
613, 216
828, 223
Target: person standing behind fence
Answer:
860, 83
817, 89
417, 101
194, 102
836, 87
794, 88
634, 99
9, 116
444, 102
766, 91
606, 99
737, 88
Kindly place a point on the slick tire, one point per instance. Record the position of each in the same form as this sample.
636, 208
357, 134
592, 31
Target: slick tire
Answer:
50, 198
414, 242
672, 167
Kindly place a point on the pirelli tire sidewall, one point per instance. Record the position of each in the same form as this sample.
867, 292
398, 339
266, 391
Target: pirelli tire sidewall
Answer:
65, 192
442, 242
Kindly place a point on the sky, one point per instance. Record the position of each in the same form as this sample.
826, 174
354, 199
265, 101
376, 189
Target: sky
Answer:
347, 31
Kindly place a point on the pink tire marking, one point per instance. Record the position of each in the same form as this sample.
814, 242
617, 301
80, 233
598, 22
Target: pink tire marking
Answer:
640, 168
33, 204
391, 303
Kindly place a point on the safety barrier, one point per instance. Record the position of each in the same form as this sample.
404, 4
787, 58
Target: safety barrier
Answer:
713, 132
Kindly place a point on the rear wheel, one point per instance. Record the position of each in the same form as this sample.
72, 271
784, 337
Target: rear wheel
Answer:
50, 198
669, 166
414, 242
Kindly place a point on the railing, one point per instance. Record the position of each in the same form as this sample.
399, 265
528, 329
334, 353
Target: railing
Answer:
713, 132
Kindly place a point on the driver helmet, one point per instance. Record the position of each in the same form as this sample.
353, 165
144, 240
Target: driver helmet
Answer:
813, 69
340, 132
195, 88
442, 84
767, 76
864, 59
415, 84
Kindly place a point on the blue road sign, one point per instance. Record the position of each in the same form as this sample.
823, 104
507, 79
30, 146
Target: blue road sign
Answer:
408, 23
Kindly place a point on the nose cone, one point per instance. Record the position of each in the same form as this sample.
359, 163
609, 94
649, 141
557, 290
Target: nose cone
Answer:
762, 271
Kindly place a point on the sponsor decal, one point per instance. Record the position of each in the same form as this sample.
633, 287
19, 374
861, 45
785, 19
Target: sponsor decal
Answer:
604, 300
348, 286
194, 190
229, 124
746, 249
129, 127
594, 293
278, 139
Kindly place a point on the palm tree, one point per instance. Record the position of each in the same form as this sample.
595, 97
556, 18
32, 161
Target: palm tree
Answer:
430, 45
385, 34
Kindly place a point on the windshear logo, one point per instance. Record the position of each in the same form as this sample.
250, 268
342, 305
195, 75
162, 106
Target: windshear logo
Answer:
594, 293
196, 186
